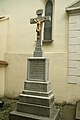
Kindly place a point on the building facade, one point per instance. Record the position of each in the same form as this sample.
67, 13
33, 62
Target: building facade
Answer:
17, 42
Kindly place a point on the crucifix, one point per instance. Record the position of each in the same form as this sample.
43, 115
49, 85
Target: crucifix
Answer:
39, 21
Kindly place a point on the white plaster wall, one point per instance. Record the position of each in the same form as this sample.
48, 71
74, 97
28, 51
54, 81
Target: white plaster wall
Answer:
15, 74
22, 36
3, 36
21, 43
3, 40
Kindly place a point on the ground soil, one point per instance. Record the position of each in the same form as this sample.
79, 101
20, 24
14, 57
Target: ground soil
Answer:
9, 105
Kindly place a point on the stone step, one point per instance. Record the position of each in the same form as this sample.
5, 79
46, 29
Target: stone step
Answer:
36, 109
78, 111
15, 115
38, 100
37, 86
45, 94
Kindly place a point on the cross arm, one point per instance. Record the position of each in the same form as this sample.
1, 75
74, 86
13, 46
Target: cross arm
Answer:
33, 20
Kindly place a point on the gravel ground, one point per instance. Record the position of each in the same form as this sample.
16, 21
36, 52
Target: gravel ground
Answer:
9, 105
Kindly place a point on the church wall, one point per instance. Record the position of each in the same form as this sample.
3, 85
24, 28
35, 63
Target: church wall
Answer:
21, 43
3, 40
3, 36
22, 37
15, 74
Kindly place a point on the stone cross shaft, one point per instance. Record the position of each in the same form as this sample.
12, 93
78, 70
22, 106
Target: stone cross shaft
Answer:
39, 21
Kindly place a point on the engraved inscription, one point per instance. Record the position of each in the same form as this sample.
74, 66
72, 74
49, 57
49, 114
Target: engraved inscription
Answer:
37, 69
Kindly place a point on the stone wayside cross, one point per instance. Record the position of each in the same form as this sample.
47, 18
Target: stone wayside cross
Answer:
37, 100
39, 21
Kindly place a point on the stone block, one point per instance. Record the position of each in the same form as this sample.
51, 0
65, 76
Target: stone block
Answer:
37, 86
73, 48
15, 115
73, 56
78, 111
37, 100
74, 26
37, 54
36, 93
72, 79
36, 109
73, 19
74, 41
73, 64
74, 33
72, 71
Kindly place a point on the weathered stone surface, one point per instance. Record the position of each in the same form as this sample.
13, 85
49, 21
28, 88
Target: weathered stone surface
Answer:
15, 115
37, 69
38, 53
37, 86
45, 94
36, 109
38, 100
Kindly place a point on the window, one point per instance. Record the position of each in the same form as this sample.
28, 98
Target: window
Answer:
48, 24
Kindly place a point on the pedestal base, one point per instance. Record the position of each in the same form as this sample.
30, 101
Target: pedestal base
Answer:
37, 100
15, 115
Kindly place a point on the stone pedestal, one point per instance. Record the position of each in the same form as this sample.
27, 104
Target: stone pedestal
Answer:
37, 100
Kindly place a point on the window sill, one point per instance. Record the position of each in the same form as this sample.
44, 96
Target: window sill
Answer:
47, 41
